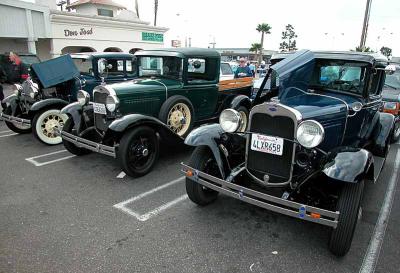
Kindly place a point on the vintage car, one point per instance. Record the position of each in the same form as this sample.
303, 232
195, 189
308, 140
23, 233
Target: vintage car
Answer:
175, 89
391, 99
313, 139
35, 106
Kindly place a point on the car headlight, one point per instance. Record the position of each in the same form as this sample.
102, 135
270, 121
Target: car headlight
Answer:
310, 133
112, 103
230, 120
390, 105
83, 97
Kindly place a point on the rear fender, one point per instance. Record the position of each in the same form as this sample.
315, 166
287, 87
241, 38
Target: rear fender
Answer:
119, 126
206, 136
349, 165
383, 129
46, 103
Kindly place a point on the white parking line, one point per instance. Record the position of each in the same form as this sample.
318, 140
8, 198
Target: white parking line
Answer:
39, 164
6, 131
374, 248
146, 216
13, 134
121, 175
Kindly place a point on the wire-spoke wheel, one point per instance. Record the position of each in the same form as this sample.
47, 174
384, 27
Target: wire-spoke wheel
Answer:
45, 124
179, 118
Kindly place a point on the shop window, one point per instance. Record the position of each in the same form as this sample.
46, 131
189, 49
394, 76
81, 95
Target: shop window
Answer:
105, 12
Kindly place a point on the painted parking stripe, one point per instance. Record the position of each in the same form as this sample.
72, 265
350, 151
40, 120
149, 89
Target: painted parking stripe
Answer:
374, 248
13, 134
39, 164
6, 131
146, 216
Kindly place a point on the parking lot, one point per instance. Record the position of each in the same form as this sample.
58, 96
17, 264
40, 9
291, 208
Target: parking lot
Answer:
63, 213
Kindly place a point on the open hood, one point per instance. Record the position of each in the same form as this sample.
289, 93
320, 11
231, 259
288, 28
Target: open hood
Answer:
55, 71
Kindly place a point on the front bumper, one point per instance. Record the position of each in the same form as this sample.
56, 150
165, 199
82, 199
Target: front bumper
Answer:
273, 203
89, 145
13, 119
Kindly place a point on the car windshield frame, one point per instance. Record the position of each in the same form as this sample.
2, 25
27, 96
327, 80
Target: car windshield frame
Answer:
158, 67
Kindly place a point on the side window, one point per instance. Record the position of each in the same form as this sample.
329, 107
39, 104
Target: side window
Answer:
375, 83
202, 70
226, 69
115, 68
131, 68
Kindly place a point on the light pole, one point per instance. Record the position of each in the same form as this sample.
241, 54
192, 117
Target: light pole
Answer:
365, 25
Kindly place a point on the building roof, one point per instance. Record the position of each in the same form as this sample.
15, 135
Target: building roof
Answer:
181, 52
95, 2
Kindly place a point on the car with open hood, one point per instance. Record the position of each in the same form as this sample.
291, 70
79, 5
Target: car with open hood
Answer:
36, 103
315, 136
176, 89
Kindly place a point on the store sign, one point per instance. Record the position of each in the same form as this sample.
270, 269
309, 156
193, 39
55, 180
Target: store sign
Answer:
175, 43
80, 32
153, 37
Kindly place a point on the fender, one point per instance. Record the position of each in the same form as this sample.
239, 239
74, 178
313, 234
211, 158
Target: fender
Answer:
129, 121
39, 105
384, 129
74, 110
11, 100
207, 135
350, 165
240, 100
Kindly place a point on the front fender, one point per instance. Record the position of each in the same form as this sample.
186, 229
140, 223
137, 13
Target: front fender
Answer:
349, 165
133, 120
73, 110
240, 100
384, 129
37, 106
206, 136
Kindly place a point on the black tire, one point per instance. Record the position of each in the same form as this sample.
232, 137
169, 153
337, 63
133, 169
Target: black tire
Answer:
70, 147
131, 151
396, 132
348, 205
169, 104
203, 160
244, 113
11, 125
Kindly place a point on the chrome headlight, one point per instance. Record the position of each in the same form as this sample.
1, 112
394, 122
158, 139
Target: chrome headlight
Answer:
310, 133
230, 120
390, 105
83, 97
112, 103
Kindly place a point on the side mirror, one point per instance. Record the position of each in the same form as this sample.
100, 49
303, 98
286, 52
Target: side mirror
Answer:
390, 69
102, 66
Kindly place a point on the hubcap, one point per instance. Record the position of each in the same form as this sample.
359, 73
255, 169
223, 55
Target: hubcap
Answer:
179, 118
49, 123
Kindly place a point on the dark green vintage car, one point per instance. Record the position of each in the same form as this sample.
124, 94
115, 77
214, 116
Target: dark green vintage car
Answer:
175, 90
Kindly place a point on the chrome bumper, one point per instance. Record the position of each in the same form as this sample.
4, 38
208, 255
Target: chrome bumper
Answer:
87, 144
263, 200
13, 119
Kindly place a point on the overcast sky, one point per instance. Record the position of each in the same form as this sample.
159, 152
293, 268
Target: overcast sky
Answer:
320, 24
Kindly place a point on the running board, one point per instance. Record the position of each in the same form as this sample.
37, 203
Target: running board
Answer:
378, 165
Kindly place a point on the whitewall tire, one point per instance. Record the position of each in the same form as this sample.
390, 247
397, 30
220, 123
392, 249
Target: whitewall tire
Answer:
44, 125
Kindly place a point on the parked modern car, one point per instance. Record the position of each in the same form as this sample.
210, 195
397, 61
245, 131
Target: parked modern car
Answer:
313, 140
391, 98
53, 84
175, 89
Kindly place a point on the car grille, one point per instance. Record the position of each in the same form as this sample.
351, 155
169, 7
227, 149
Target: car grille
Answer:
101, 122
282, 123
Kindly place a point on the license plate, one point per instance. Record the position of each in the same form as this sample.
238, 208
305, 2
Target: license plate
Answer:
267, 144
99, 108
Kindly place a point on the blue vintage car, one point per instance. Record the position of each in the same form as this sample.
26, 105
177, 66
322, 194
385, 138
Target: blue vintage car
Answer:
314, 138
35, 106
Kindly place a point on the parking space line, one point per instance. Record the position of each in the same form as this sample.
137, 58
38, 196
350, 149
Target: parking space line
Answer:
374, 248
6, 131
146, 216
13, 134
39, 164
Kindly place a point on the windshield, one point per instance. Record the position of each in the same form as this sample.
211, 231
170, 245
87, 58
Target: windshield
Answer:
170, 67
84, 66
393, 80
339, 76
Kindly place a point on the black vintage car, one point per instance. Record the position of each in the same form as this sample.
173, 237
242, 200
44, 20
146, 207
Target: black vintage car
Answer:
315, 137
35, 106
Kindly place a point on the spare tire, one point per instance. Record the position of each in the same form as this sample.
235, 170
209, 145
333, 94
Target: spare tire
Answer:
178, 114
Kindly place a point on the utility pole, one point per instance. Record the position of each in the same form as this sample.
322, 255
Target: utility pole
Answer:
365, 25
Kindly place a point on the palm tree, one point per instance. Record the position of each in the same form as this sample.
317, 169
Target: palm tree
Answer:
155, 11
264, 29
256, 48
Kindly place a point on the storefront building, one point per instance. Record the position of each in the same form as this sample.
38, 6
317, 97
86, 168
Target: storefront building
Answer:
90, 25
234, 54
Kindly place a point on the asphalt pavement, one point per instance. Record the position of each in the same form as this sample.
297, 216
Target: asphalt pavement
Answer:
63, 213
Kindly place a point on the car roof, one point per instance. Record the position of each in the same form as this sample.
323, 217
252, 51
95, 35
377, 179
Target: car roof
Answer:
341, 55
181, 52
87, 55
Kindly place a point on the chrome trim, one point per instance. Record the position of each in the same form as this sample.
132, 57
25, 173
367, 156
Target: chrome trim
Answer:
296, 117
316, 123
87, 144
13, 119
260, 199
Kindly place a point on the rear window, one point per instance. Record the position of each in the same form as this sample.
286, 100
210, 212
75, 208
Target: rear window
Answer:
226, 69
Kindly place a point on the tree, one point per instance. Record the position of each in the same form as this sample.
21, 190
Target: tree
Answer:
387, 51
288, 39
155, 11
264, 29
256, 48
365, 49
